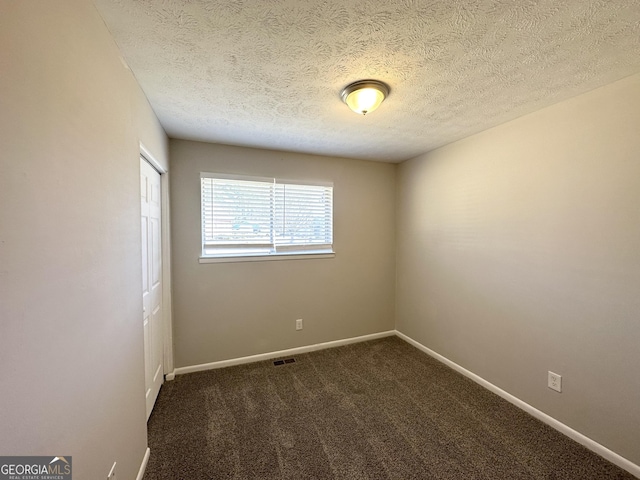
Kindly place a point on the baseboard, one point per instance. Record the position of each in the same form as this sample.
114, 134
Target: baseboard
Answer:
592, 445
143, 466
170, 376
281, 353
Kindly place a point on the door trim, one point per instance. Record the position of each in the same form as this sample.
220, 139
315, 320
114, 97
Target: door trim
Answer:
167, 321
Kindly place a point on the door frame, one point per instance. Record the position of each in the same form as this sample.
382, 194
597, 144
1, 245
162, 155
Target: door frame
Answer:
165, 234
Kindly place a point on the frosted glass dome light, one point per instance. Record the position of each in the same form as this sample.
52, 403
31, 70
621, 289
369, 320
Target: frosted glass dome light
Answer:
364, 96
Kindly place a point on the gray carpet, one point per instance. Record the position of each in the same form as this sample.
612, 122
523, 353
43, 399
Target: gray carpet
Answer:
374, 410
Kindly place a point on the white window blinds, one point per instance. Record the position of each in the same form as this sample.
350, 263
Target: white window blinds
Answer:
249, 216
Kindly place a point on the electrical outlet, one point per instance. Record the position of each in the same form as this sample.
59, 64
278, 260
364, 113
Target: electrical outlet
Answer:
554, 382
112, 473
299, 324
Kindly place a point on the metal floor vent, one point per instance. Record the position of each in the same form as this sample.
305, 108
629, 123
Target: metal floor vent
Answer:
285, 361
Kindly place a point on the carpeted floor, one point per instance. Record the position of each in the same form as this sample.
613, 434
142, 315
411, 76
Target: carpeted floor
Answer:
374, 410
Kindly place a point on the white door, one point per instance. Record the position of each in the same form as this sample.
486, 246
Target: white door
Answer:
151, 281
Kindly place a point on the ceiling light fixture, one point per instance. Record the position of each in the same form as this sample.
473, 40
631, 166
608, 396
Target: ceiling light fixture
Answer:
364, 96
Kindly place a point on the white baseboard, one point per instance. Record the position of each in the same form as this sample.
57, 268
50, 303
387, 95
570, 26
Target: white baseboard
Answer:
143, 466
170, 376
280, 353
592, 445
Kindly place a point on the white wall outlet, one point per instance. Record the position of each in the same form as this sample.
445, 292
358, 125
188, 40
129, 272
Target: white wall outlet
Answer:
299, 324
554, 382
112, 472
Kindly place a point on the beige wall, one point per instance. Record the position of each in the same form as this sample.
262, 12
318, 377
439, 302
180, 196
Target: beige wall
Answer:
229, 310
71, 117
519, 253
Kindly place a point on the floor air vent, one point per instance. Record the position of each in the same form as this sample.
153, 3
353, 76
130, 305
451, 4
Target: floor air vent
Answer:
285, 361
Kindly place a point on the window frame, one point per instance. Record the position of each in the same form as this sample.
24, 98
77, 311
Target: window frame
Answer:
275, 252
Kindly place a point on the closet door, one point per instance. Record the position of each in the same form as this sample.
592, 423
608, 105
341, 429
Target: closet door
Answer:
151, 281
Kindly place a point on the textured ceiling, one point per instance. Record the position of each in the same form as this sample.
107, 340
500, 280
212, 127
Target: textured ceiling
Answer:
268, 73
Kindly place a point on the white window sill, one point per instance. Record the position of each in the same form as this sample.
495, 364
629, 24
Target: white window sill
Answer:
260, 257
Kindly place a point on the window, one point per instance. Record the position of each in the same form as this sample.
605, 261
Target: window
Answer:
249, 217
